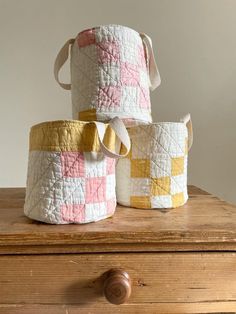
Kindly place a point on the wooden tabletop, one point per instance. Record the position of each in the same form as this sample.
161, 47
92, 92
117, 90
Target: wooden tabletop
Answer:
205, 223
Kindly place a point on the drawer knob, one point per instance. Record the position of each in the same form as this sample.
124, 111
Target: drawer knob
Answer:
117, 286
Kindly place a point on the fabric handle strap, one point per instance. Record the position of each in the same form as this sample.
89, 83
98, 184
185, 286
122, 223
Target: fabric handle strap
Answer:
188, 122
60, 60
121, 132
154, 75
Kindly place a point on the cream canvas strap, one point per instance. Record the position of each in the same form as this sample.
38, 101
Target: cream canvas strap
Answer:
61, 58
154, 75
120, 130
188, 122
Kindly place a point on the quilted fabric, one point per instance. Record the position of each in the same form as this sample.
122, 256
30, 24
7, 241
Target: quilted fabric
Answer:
66, 182
109, 75
154, 175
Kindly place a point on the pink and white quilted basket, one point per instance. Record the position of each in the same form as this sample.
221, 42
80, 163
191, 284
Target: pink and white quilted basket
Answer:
112, 69
71, 171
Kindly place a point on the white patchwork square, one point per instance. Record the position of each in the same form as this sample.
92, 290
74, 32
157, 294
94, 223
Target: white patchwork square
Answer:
178, 184
162, 201
108, 75
73, 190
144, 80
110, 186
123, 186
141, 147
140, 187
129, 98
129, 52
95, 164
95, 211
170, 139
160, 166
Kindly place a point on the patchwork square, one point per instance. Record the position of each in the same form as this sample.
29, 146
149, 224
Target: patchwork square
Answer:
161, 201
129, 53
177, 166
72, 190
129, 98
72, 213
144, 100
108, 75
160, 186
95, 190
129, 75
111, 206
140, 187
178, 199
140, 202
72, 164
178, 184
160, 166
109, 96
110, 184
85, 38
95, 164
95, 211
108, 52
140, 168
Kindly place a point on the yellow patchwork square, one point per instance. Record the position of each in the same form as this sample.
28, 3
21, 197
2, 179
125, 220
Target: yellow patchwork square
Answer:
140, 168
177, 166
177, 199
88, 115
140, 202
160, 186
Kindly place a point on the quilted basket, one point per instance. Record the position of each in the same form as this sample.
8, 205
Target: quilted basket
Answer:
154, 174
71, 171
112, 69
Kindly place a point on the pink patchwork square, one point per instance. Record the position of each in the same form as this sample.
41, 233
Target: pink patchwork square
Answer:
144, 99
95, 190
142, 57
129, 74
73, 213
72, 164
110, 165
108, 51
86, 38
109, 96
111, 206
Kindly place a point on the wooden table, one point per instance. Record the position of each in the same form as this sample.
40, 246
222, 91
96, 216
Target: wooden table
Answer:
179, 261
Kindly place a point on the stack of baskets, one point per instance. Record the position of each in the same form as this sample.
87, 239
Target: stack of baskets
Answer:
112, 152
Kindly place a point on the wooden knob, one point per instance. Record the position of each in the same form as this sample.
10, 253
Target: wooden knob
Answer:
117, 286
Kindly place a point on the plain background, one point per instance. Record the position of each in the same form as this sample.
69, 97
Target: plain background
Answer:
195, 46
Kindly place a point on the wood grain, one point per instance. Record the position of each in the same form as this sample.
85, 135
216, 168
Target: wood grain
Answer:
205, 222
156, 278
155, 308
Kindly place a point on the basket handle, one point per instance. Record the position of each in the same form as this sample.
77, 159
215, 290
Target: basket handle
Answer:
121, 132
188, 122
154, 75
61, 58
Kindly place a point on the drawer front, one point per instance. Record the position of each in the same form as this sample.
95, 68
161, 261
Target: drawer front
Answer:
164, 278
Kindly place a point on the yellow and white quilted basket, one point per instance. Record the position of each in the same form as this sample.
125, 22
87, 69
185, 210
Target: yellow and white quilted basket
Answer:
154, 173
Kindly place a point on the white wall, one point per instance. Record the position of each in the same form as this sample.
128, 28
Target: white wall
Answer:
195, 41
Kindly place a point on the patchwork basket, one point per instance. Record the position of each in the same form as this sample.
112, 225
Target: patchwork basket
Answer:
112, 69
71, 171
154, 174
